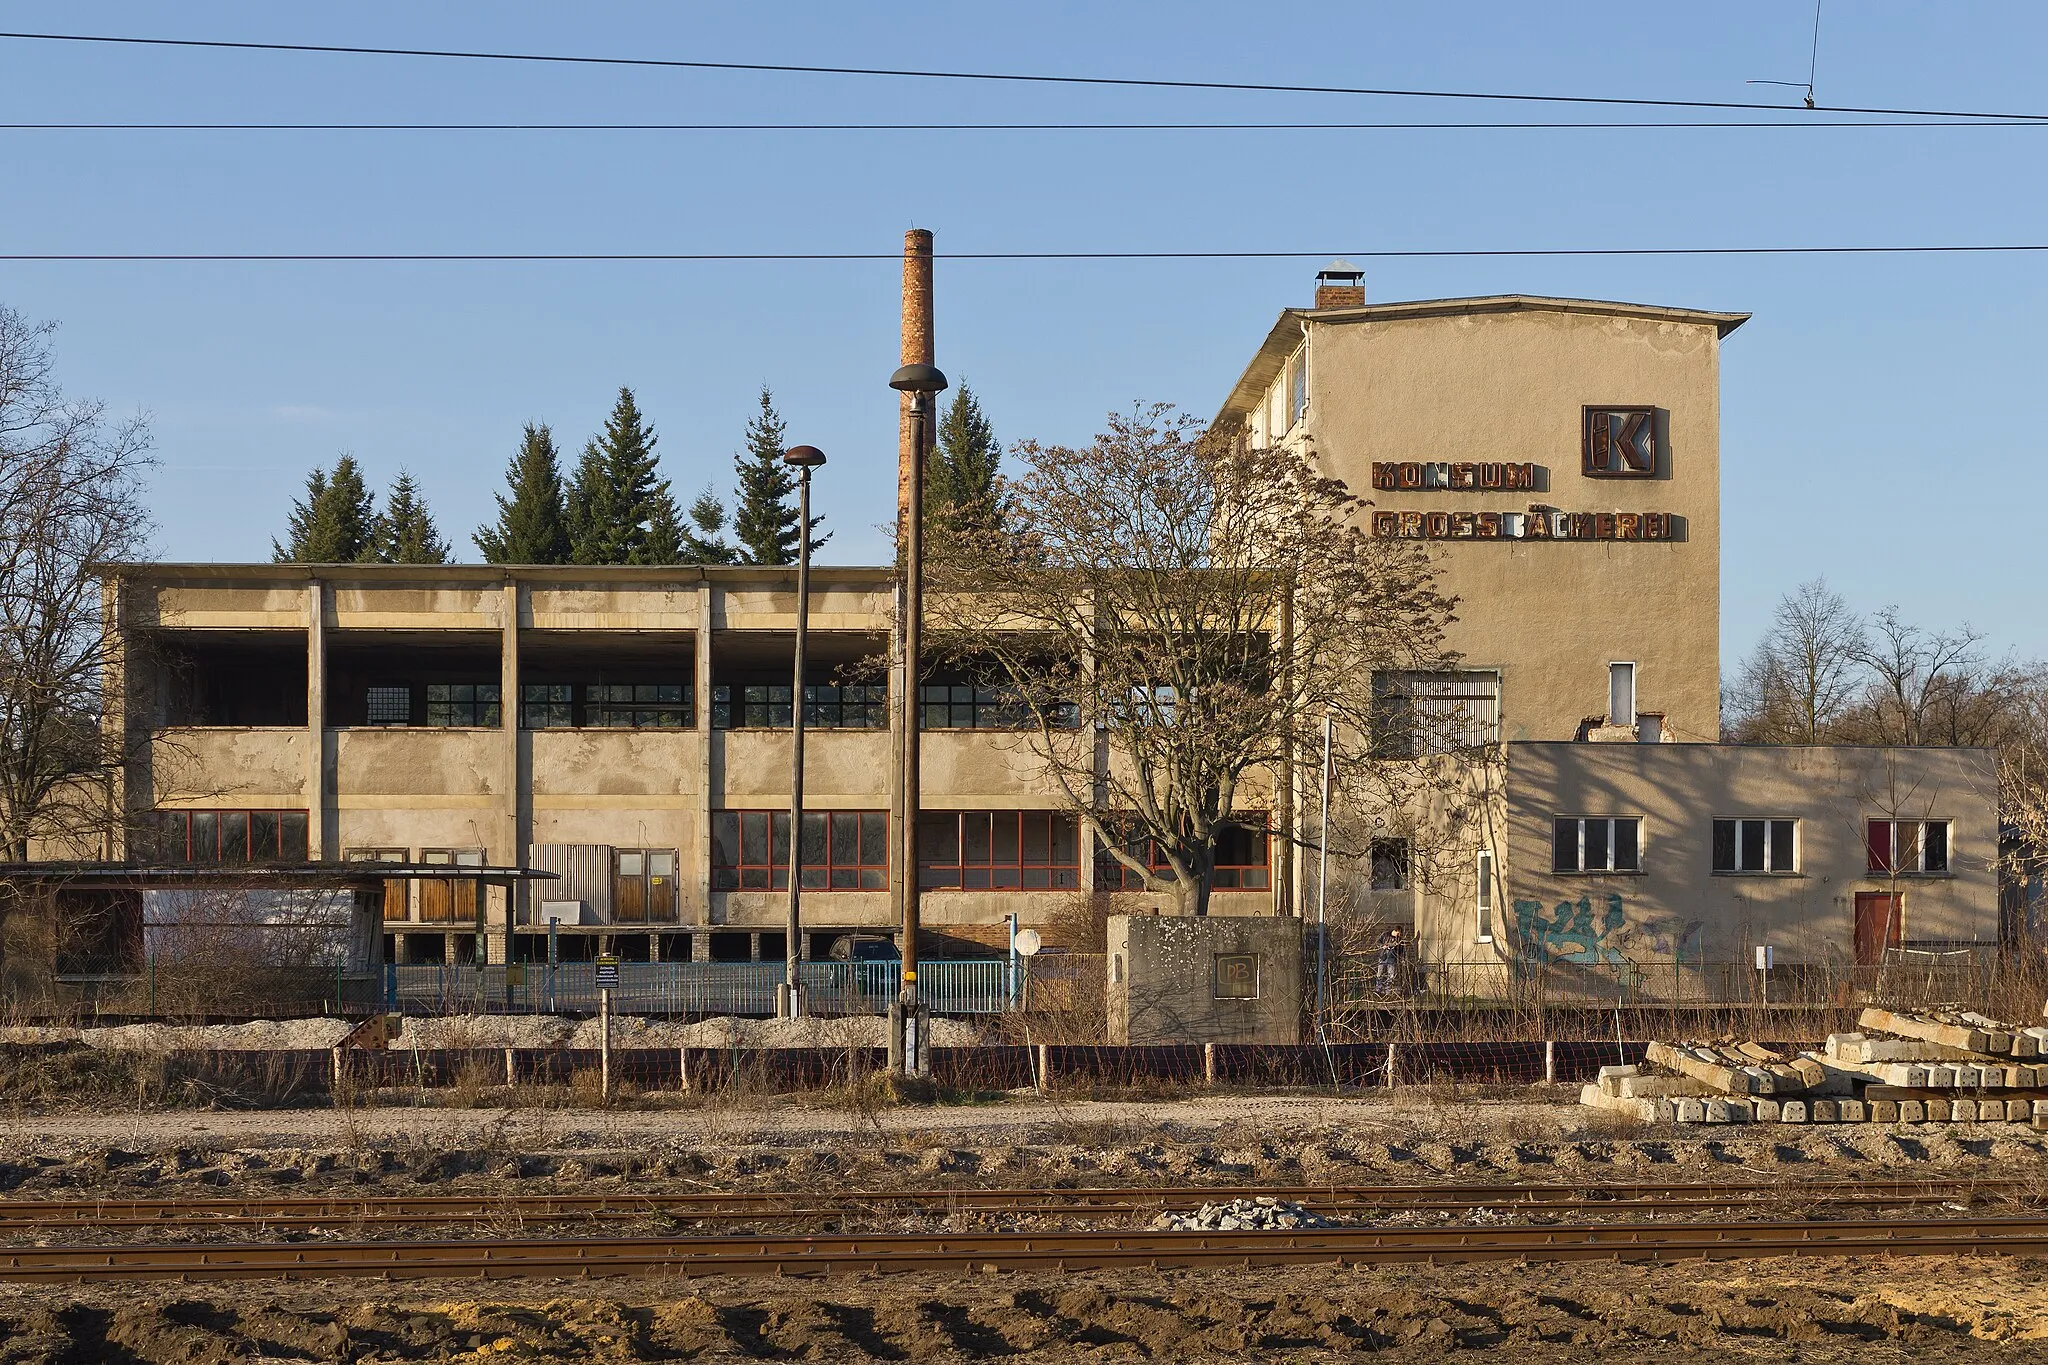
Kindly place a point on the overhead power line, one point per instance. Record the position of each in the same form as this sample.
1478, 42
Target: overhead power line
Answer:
1012, 77
1415, 126
1984, 248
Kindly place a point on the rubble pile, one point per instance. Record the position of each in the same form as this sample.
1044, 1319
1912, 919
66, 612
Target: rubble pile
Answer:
1263, 1214
1919, 1067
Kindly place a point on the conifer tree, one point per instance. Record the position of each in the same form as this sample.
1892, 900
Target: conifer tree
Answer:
960, 483
337, 521
663, 543
406, 533
532, 525
704, 539
764, 522
612, 495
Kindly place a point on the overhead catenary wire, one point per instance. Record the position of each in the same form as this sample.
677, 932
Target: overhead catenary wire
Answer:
1010, 77
1445, 253
1502, 125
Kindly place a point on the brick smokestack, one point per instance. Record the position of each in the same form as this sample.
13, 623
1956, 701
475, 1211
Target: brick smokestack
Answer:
917, 350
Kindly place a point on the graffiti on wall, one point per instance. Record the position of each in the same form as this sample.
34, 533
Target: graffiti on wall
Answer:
1575, 932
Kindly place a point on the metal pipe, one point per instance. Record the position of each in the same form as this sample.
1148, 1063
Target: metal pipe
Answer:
913, 646
793, 934
1323, 880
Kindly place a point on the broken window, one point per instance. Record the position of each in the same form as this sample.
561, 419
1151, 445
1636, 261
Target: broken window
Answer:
1389, 864
1907, 846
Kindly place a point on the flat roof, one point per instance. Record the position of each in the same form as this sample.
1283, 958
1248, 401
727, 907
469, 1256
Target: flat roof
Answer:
1285, 335
492, 573
257, 876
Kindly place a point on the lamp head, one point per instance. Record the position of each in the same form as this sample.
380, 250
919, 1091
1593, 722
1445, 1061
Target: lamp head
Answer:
803, 457
918, 379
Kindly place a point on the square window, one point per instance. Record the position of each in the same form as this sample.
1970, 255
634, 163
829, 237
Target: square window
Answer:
1237, 976
388, 705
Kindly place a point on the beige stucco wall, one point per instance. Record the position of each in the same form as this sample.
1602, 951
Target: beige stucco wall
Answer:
1510, 387
250, 767
1678, 904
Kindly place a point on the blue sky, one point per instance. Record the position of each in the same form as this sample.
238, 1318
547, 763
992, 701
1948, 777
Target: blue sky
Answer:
1877, 411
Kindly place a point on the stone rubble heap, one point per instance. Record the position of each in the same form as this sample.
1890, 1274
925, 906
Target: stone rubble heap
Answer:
1918, 1067
1263, 1214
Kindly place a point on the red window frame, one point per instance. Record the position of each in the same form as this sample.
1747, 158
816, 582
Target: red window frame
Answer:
844, 850
1234, 875
998, 855
177, 835
1881, 845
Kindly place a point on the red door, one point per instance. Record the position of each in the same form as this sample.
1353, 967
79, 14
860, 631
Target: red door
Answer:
1880, 924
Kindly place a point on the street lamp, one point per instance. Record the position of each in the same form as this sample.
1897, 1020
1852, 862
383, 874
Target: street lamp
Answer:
789, 997
906, 1047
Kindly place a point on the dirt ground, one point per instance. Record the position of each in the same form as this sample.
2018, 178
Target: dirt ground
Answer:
1822, 1311
1764, 1310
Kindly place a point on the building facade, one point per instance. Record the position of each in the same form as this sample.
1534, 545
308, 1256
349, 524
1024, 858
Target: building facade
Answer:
628, 728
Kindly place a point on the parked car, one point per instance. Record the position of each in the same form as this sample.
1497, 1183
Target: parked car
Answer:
863, 948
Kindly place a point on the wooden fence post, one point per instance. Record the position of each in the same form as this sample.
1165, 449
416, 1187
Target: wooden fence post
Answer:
1549, 1063
1209, 1064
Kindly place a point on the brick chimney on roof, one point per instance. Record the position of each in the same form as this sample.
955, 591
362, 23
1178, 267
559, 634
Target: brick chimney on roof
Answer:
1340, 284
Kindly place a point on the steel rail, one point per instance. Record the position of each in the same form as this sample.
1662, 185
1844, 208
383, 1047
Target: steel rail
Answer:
1063, 1251
1079, 1202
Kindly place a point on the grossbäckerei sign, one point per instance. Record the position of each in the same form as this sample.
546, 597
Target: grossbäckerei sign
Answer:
1615, 442
1538, 523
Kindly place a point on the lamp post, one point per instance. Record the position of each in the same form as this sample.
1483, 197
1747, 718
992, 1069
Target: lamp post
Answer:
789, 997
906, 1045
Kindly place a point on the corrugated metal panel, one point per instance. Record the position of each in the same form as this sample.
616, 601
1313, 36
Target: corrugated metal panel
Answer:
585, 873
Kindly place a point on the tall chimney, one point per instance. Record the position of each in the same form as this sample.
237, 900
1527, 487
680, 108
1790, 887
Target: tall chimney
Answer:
917, 350
1340, 284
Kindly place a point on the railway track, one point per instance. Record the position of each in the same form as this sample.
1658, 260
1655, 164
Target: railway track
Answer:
499, 1210
969, 1253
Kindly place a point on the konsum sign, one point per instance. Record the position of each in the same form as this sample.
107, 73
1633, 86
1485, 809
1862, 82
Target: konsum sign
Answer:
1619, 442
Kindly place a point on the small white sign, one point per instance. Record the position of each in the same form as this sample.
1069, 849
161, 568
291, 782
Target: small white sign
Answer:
1764, 957
1028, 942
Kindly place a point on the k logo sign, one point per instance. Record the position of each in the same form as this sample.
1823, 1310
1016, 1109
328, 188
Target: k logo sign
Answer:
1620, 443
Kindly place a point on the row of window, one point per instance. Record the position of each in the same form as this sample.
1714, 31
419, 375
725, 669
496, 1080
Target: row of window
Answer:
672, 706
961, 850
1614, 843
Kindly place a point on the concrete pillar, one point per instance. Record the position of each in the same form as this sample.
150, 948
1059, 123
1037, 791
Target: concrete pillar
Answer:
517, 807
317, 812
700, 947
693, 899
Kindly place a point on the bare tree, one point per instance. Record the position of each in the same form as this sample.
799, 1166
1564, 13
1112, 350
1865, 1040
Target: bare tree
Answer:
1175, 614
1911, 670
70, 500
1805, 672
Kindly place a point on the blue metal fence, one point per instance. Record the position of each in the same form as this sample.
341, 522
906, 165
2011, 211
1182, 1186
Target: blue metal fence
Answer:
981, 986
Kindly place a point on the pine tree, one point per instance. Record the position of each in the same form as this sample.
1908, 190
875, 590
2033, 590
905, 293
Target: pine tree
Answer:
337, 522
960, 483
532, 524
406, 533
704, 539
665, 535
764, 522
612, 495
